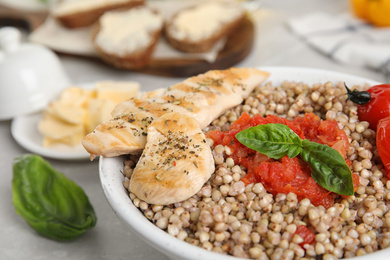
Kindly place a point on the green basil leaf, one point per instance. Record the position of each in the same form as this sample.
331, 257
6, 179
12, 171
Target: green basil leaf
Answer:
53, 205
328, 168
273, 140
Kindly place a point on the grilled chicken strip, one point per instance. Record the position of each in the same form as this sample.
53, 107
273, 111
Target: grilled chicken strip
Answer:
203, 97
175, 163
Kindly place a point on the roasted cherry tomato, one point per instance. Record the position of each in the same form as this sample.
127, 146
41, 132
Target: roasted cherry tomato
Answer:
373, 104
383, 142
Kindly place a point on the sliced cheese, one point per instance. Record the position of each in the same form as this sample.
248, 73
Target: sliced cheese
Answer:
66, 112
116, 91
99, 110
78, 111
68, 140
76, 96
60, 131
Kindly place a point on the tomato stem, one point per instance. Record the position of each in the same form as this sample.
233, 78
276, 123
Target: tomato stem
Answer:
357, 97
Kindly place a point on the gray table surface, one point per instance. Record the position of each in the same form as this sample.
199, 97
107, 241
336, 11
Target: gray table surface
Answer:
111, 239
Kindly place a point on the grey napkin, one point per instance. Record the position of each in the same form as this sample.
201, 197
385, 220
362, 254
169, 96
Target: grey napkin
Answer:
345, 38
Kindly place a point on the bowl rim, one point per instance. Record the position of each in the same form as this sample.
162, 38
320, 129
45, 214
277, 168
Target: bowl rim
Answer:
111, 177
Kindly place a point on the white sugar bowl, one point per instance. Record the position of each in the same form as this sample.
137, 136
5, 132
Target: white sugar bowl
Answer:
30, 75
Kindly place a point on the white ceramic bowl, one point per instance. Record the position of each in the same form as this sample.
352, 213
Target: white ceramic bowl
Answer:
30, 75
110, 170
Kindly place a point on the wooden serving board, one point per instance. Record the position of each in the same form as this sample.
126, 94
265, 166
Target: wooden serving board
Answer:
238, 46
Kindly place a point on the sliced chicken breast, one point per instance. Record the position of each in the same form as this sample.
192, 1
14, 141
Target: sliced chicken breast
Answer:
175, 163
124, 134
203, 97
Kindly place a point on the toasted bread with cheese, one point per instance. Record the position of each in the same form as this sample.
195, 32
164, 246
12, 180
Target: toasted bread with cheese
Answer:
81, 13
126, 39
199, 28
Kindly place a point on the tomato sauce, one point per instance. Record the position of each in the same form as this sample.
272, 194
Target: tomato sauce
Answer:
286, 175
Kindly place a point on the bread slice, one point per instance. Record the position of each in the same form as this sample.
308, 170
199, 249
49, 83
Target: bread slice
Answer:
126, 38
82, 13
198, 28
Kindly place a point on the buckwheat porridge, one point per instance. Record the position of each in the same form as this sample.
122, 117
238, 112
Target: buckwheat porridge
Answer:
236, 215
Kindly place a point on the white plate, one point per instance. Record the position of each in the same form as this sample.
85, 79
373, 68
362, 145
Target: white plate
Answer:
111, 177
24, 130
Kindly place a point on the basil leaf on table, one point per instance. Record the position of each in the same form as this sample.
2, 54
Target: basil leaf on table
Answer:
328, 167
273, 140
53, 205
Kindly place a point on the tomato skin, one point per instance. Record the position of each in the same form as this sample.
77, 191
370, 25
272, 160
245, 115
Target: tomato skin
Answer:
307, 235
383, 142
378, 107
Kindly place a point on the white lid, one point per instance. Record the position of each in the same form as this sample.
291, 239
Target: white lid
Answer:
30, 75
